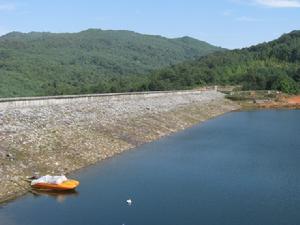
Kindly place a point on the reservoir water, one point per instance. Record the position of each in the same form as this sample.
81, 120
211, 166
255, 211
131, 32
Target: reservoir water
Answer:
242, 168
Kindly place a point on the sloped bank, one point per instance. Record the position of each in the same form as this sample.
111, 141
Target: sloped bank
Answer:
46, 136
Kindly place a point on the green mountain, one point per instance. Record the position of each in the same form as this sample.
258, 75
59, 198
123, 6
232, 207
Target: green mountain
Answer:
272, 65
90, 61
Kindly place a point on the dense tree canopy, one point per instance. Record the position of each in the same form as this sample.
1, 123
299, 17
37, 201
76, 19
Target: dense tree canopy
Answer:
86, 62
96, 61
273, 65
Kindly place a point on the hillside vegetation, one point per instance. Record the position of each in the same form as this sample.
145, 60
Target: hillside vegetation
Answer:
87, 62
96, 61
273, 65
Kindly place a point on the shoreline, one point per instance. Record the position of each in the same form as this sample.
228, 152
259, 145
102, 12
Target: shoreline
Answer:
215, 107
271, 106
63, 138
264, 99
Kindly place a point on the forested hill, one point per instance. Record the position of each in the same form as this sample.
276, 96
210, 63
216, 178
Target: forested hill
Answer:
272, 65
72, 63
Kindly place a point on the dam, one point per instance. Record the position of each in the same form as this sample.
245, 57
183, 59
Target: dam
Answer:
57, 135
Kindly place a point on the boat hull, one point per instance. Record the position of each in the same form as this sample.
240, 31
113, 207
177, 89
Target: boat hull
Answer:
67, 185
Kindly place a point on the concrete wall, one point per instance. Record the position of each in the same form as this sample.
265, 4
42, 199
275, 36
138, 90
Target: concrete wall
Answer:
63, 99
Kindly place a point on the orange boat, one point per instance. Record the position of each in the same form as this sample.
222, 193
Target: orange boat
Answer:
64, 186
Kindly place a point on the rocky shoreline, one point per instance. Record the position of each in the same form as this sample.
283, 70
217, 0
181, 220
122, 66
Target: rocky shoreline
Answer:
58, 138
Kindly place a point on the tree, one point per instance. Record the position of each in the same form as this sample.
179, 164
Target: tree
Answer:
285, 84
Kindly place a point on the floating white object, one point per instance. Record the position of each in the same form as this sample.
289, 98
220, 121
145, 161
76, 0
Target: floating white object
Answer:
129, 201
50, 180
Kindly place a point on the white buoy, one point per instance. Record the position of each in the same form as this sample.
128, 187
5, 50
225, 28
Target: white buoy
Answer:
129, 202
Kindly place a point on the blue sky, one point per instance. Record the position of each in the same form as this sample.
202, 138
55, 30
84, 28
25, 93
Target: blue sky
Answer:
226, 23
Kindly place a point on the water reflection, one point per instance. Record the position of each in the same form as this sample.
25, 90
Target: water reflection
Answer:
59, 196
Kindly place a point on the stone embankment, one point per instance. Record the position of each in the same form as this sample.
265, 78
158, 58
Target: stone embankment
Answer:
59, 135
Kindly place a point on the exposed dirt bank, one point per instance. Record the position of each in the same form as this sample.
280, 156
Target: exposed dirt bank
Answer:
285, 102
59, 138
294, 100
264, 99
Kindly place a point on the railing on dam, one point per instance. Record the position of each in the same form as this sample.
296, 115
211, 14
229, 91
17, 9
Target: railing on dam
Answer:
61, 99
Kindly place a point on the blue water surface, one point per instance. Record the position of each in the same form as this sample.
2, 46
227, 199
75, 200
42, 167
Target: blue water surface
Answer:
242, 168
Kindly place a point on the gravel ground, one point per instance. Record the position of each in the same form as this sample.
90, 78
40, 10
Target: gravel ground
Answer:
63, 137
